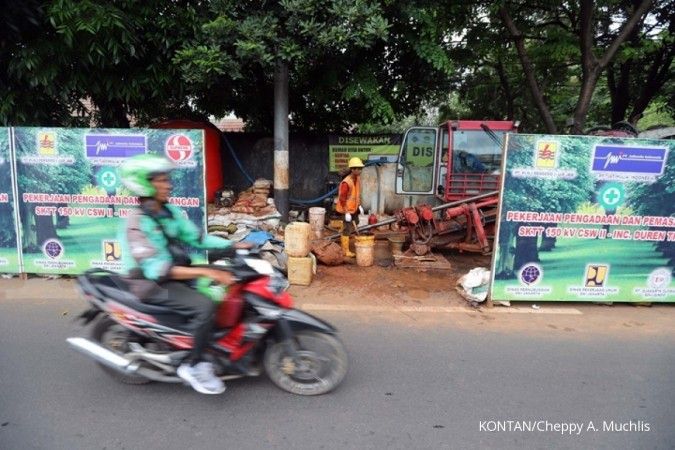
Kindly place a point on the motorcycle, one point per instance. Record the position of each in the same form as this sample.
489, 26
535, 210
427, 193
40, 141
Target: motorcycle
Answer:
256, 327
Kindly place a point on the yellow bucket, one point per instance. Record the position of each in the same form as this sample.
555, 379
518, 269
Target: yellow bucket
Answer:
365, 250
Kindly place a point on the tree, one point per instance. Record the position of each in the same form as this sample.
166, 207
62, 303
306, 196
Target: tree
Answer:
644, 65
582, 23
117, 55
349, 62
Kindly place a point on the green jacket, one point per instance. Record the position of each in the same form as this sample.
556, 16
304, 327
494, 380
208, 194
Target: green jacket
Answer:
145, 249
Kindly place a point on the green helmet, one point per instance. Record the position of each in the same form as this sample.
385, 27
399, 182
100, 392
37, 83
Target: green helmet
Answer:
137, 172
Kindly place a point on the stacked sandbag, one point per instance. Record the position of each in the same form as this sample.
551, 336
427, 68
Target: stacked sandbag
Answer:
255, 200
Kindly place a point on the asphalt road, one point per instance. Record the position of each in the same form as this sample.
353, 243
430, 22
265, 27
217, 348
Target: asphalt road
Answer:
416, 381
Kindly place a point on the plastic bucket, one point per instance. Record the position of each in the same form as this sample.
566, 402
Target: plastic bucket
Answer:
300, 270
317, 218
396, 242
296, 239
365, 250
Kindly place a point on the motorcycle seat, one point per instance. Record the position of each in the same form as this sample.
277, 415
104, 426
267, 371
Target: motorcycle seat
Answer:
114, 287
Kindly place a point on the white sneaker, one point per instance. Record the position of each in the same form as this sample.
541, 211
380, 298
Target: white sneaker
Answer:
201, 378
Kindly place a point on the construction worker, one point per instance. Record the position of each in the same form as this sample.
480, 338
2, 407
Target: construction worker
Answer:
349, 202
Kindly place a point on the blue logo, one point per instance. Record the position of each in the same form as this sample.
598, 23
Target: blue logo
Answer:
53, 249
530, 274
626, 159
114, 145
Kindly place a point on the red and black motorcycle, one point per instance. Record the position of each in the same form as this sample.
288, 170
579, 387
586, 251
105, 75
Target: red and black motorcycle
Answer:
256, 326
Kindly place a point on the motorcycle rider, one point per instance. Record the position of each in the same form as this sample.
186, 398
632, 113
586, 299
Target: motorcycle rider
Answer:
349, 202
158, 266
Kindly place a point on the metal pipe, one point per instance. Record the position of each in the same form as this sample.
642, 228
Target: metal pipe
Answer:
435, 208
101, 354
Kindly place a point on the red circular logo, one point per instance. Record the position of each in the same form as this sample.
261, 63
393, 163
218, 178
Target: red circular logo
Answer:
178, 148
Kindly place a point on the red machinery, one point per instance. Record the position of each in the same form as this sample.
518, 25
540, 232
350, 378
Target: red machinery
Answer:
458, 164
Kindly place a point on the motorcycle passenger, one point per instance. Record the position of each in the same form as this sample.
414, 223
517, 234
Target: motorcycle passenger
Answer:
158, 268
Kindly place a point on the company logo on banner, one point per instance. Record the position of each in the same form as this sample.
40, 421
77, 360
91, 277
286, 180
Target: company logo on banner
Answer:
611, 196
594, 284
596, 275
546, 160
658, 284
54, 250
102, 149
46, 151
621, 162
111, 256
529, 276
546, 156
179, 149
47, 143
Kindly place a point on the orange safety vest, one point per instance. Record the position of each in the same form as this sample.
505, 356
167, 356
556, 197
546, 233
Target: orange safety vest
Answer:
354, 197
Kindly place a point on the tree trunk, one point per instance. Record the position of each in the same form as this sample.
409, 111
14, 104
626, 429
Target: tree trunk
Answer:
547, 243
526, 251
658, 74
112, 114
528, 69
504, 269
506, 87
44, 228
619, 90
29, 235
592, 67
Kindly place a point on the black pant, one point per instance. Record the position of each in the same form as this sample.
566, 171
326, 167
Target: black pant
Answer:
349, 227
186, 301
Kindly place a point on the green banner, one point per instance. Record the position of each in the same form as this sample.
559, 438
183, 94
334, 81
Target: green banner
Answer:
71, 201
9, 250
365, 146
586, 218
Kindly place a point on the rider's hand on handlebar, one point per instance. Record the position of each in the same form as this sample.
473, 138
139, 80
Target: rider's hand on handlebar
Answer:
222, 277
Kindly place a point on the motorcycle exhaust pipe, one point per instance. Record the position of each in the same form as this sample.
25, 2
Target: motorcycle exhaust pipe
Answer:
101, 354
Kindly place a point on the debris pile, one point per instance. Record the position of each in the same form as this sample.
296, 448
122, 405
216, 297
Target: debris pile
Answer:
253, 210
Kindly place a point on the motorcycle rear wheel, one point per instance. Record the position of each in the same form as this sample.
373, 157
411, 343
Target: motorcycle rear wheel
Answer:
320, 366
115, 338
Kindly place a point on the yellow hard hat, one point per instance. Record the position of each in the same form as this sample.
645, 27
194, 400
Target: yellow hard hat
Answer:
355, 162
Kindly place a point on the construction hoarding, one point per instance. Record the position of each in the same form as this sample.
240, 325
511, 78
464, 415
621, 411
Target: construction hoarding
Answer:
585, 218
70, 198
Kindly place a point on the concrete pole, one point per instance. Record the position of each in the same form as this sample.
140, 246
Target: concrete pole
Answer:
281, 140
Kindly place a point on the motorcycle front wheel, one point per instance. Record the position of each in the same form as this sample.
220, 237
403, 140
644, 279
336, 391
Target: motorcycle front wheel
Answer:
319, 366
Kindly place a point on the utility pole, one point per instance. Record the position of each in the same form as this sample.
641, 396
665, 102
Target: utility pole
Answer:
281, 139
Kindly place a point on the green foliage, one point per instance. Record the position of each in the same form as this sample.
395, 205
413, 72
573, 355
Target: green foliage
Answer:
548, 195
7, 230
350, 62
118, 55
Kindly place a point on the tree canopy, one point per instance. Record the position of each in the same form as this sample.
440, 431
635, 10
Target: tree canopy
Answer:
363, 63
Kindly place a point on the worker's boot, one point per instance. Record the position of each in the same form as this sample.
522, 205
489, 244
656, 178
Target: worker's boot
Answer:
344, 240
